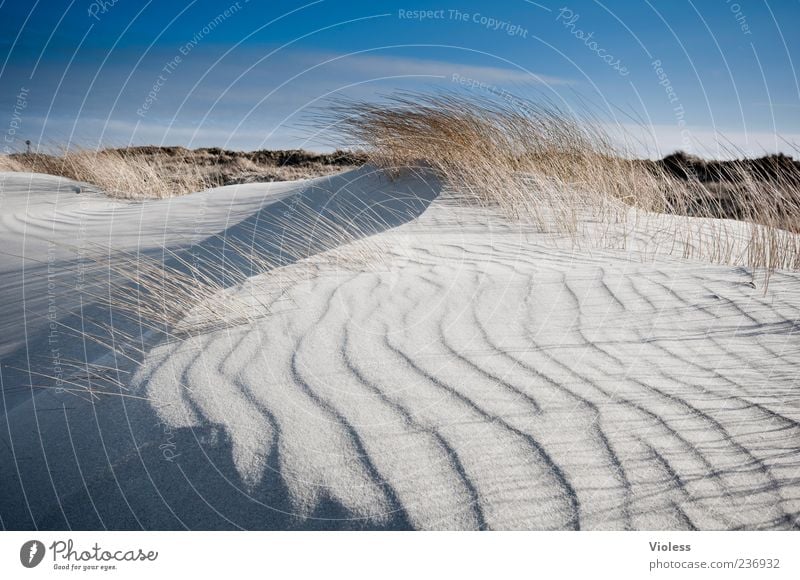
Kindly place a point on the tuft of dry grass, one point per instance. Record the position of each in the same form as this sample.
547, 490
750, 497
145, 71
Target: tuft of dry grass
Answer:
187, 293
158, 172
237, 277
479, 143
117, 174
9, 163
544, 165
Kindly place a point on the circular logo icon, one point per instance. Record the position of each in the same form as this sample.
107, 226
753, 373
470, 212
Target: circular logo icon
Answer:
31, 553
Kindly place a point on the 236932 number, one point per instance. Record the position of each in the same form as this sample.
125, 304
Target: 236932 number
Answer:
758, 563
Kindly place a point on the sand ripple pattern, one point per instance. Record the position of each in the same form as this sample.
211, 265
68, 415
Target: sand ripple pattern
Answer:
475, 375
501, 384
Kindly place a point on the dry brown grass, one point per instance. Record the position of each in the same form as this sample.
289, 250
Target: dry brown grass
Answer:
160, 172
8, 163
541, 164
219, 167
235, 278
118, 175
499, 152
187, 293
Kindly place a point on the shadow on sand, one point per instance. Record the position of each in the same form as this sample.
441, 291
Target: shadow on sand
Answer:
73, 462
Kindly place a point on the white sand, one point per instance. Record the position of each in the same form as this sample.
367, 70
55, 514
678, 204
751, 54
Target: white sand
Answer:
470, 374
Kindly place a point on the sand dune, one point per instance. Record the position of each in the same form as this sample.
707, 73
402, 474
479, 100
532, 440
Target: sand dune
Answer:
449, 369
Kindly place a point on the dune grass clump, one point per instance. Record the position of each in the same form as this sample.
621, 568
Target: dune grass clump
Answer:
512, 153
117, 173
233, 279
153, 172
545, 165
9, 163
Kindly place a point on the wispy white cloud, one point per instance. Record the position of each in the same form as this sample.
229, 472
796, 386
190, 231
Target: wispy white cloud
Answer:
284, 77
246, 100
385, 65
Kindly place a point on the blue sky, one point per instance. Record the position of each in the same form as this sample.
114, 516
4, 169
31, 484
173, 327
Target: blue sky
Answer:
668, 74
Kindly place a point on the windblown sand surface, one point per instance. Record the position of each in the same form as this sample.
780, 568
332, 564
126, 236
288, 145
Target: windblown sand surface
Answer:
452, 370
